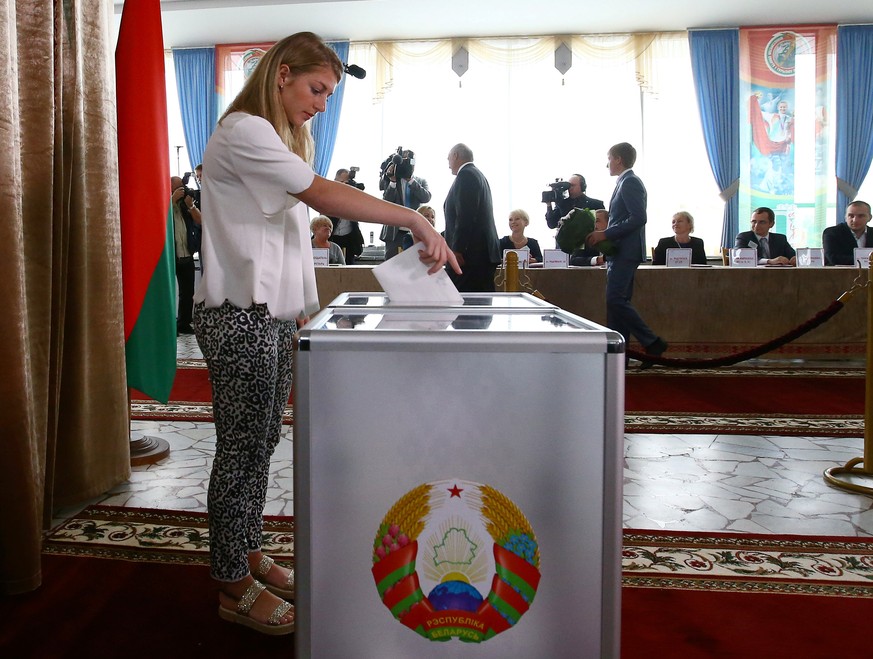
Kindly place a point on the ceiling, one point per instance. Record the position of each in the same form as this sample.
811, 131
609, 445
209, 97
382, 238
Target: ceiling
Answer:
207, 22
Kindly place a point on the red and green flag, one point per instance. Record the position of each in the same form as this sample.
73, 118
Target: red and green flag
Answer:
147, 251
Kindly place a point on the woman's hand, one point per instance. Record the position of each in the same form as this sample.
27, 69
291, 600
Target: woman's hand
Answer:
435, 249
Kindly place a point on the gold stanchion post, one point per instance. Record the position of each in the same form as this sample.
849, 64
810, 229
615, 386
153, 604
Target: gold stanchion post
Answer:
852, 468
510, 279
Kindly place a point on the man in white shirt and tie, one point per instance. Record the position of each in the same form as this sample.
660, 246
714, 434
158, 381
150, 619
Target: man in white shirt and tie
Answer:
773, 248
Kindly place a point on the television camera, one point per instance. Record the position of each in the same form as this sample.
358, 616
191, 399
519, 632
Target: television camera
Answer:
194, 193
557, 192
399, 164
351, 179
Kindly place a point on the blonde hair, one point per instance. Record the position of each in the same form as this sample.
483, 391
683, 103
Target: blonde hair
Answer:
425, 207
318, 221
521, 214
301, 53
688, 217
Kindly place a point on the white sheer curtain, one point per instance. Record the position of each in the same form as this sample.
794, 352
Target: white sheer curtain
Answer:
527, 124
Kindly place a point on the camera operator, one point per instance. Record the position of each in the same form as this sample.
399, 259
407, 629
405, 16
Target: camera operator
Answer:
399, 186
346, 233
186, 232
576, 198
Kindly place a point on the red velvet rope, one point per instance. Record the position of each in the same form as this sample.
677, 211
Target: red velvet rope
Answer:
730, 360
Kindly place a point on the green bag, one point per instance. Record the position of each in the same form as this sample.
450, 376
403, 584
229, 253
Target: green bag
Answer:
574, 229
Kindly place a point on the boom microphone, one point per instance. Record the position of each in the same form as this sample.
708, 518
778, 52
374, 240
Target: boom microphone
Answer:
355, 70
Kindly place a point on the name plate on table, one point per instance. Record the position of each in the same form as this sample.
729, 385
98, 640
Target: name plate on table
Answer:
320, 257
744, 257
523, 256
678, 258
555, 258
810, 257
862, 254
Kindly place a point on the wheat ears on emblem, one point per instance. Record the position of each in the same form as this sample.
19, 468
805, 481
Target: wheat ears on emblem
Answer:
404, 521
504, 519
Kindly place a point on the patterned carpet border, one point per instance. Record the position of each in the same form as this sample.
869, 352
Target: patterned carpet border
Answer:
762, 371
748, 563
818, 425
634, 422
650, 559
157, 536
184, 411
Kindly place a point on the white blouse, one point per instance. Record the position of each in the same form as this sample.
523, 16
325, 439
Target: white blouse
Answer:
256, 246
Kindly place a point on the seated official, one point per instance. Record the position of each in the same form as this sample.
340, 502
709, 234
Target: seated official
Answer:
587, 255
428, 213
773, 248
683, 227
321, 226
518, 221
840, 242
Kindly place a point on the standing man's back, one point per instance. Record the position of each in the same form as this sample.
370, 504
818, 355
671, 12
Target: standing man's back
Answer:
470, 230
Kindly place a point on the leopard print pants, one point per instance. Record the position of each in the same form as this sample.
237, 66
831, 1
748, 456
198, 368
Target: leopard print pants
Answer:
249, 355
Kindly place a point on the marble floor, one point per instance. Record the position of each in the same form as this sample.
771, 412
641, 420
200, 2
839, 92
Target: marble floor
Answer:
688, 482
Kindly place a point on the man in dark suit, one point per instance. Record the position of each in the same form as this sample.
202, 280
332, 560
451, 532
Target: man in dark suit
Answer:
773, 248
626, 230
347, 233
841, 240
470, 230
186, 240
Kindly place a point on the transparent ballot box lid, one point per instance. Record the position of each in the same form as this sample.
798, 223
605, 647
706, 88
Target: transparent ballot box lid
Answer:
426, 329
490, 300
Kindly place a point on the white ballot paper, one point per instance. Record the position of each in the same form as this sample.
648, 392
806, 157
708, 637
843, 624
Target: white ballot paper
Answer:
404, 278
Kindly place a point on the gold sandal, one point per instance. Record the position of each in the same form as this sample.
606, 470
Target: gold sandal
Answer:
242, 617
286, 591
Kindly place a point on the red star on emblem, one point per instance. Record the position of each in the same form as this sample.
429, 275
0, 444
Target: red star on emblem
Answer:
456, 491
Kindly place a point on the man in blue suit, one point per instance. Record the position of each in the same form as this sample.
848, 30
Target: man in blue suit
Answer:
773, 248
626, 230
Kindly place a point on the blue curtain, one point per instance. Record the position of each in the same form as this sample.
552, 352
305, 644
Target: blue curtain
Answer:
195, 81
854, 119
325, 125
715, 61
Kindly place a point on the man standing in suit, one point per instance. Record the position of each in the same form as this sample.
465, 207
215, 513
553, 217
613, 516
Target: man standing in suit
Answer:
626, 230
841, 240
399, 186
470, 230
773, 248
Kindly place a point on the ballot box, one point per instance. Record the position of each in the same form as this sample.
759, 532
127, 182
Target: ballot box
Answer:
457, 481
490, 300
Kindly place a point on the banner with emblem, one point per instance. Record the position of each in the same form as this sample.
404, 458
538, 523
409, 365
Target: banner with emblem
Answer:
787, 142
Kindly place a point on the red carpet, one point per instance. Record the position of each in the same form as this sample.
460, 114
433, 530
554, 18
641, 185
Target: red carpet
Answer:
725, 391
685, 595
693, 624
824, 402
747, 393
190, 385
111, 608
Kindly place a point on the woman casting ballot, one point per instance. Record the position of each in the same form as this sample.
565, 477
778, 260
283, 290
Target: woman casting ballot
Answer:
260, 287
